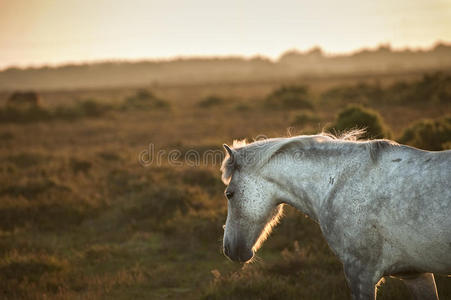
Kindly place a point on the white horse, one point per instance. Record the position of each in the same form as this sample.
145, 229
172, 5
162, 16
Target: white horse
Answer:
384, 208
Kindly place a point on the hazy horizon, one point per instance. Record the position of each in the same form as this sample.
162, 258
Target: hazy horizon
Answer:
44, 32
222, 56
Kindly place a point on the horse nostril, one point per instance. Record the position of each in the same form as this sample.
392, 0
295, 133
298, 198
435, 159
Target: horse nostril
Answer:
246, 255
237, 252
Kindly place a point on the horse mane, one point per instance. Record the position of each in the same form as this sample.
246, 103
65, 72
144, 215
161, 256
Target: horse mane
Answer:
257, 154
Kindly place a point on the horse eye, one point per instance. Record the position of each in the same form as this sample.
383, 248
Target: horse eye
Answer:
229, 194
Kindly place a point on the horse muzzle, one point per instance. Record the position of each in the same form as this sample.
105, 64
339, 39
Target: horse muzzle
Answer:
238, 252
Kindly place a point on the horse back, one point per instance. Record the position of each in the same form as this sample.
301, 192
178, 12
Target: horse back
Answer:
394, 211
413, 200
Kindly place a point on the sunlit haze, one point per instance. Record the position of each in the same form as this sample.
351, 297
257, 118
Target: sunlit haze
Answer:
37, 32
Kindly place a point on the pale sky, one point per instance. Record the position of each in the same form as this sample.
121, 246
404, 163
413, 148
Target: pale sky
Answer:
37, 32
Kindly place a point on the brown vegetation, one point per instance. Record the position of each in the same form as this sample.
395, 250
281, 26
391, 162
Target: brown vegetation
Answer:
24, 99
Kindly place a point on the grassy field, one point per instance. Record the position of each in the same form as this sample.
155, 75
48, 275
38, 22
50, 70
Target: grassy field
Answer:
81, 217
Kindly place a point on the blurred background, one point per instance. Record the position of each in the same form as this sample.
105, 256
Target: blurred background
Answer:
113, 113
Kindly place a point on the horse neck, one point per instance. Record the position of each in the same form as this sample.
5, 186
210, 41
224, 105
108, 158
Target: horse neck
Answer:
306, 182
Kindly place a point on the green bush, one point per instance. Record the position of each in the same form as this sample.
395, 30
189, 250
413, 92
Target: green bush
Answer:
356, 117
429, 134
289, 97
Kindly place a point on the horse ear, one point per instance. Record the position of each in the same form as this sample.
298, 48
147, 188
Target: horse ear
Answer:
229, 150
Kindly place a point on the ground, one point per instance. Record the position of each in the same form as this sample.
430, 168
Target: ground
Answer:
81, 217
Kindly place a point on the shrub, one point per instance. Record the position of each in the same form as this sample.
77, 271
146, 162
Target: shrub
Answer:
160, 203
86, 108
446, 145
361, 92
44, 204
92, 108
6, 136
109, 155
300, 274
435, 88
144, 99
432, 87
26, 159
11, 114
144, 95
204, 226
16, 267
292, 261
122, 182
61, 211
102, 252
203, 178
358, 117
80, 166
32, 189
242, 107
196, 154
249, 284
67, 113
211, 101
289, 97
429, 134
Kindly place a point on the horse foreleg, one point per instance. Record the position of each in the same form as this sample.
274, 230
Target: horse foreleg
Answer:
361, 283
421, 286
